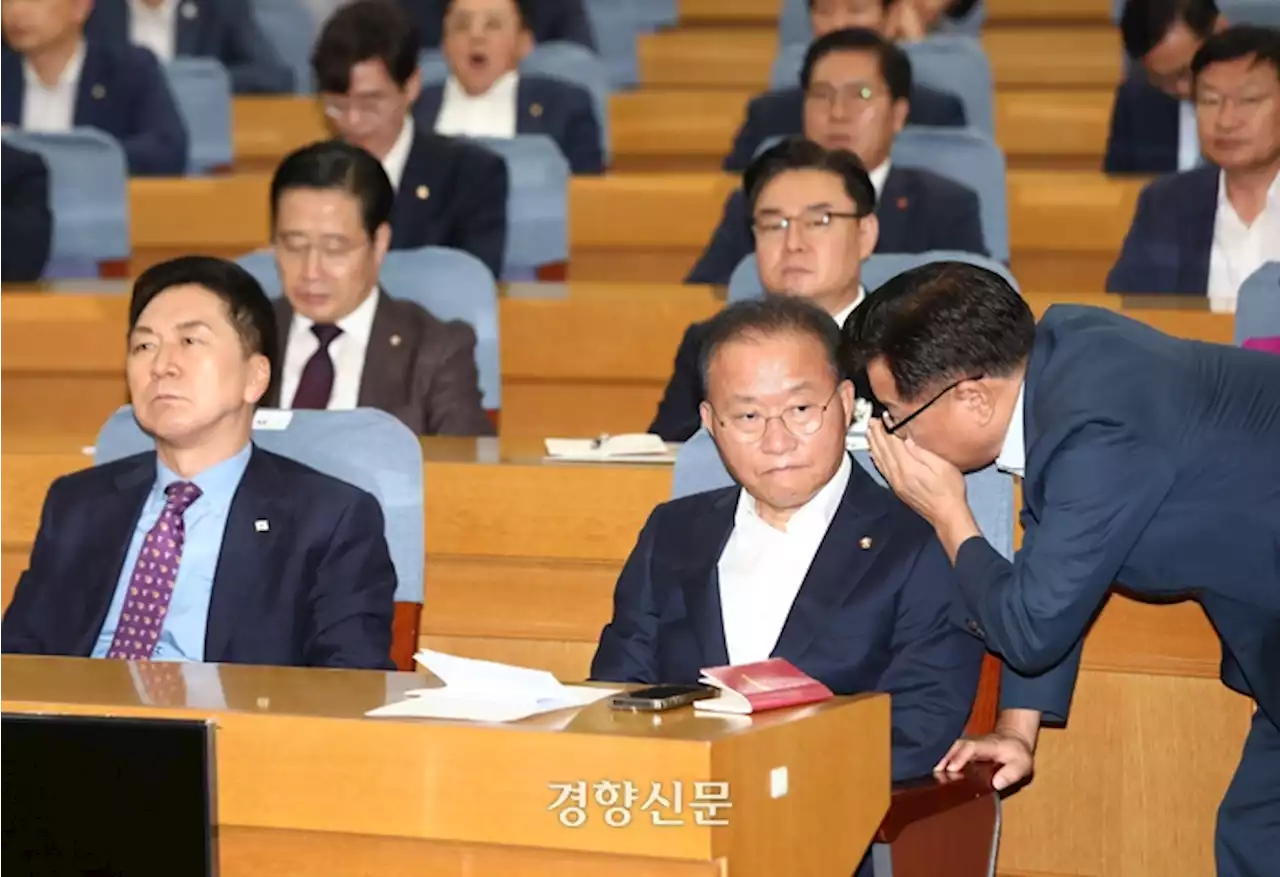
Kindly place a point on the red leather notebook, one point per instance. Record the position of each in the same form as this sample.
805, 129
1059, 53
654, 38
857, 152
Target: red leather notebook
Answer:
765, 685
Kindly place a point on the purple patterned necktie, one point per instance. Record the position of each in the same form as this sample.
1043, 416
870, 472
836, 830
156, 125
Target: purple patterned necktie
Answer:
315, 386
151, 586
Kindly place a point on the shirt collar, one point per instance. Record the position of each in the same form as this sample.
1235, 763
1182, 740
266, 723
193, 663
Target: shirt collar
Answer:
165, 10
398, 154
1273, 191
217, 484
878, 177
1013, 453
817, 513
357, 324
503, 88
843, 316
70, 74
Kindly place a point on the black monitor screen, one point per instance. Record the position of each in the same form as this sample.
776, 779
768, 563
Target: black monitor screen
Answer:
89, 796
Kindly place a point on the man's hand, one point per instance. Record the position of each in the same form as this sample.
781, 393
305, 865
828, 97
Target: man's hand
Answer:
1012, 745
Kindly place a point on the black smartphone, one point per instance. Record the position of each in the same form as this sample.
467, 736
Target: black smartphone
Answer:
661, 697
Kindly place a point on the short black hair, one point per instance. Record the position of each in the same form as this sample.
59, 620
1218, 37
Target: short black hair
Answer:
767, 317
940, 322
798, 153
1262, 44
248, 307
1144, 23
895, 66
365, 30
884, 4
340, 166
523, 11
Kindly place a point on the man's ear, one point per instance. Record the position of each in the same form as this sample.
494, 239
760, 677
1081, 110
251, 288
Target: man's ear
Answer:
413, 88
979, 397
708, 417
524, 44
259, 379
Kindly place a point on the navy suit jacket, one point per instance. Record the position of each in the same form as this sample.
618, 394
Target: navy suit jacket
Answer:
453, 194
1168, 246
781, 114
123, 92
877, 619
558, 109
550, 20
918, 211
316, 589
1144, 130
26, 218
224, 30
1151, 462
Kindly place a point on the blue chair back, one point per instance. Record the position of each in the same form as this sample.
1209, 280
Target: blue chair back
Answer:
971, 160
787, 64
89, 197
793, 24
699, 468
576, 65
537, 203
451, 284
202, 88
293, 30
617, 25
877, 270
364, 447
655, 14
1258, 304
958, 65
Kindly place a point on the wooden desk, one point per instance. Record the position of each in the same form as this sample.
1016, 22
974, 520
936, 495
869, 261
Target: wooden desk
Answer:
267, 128
305, 785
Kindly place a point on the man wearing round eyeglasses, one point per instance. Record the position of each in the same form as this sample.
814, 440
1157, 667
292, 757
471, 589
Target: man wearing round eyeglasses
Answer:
809, 560
857, 88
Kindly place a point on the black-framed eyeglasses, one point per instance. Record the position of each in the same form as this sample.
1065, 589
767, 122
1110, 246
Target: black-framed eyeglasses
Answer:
891, 426
808, 221
799, 420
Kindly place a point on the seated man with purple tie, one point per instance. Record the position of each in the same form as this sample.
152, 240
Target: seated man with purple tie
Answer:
345, 343
207, 548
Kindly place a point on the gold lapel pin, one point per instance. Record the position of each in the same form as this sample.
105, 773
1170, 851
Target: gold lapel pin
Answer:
98, 92
864, 543
395, 340
535, 110
422, 192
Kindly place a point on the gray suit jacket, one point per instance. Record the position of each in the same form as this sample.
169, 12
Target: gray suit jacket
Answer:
418, 368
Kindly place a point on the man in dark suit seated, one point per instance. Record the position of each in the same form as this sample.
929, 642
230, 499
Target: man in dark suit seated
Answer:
449, 192
781, 113
809, 560
814, 213
487, 96
1153, 120
549, 21
224, 30
1204, 231
54, 79
856, 85
344, 342
27, 220
207, 548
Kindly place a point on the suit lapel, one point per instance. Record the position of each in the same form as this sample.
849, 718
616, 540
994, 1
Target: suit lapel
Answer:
839, 565
187, 26
114, 520
284, 320
530, 113
12, 87
386, 359
429, 104
700, 580
412, 211
1196, 230
894, 214
91, 94
258, 529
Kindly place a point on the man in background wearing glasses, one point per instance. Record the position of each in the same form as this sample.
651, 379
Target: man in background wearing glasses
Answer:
808, 560
857, 88
449, 192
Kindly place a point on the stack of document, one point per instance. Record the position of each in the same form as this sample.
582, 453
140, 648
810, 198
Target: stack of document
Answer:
630, 448
485, 691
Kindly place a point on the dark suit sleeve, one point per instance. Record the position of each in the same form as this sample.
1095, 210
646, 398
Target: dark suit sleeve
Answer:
628, 649
1034, 610
481, 228
932, 675
1121, 137
677, 418
1148, 258
748, 139
26, 219
582, 138
959, 227
157, 143
730, 244
353, 596
23, 631
253, 62
1048, 692
454, 405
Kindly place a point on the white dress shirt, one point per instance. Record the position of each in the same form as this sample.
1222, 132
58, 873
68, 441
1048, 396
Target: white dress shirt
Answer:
154, 28
1238, 249
52, 107
762, 568
347, 352
878, 178
398, 155
843, 317
1188, 137
1013, 453
492, 114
